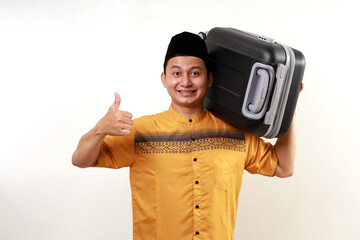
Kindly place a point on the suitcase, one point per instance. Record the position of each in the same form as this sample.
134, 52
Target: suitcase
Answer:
256, 81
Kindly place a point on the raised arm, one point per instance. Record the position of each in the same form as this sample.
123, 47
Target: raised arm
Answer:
285, 148
114, 123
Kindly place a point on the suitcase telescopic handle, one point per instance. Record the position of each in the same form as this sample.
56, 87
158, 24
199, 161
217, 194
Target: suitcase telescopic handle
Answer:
284, 76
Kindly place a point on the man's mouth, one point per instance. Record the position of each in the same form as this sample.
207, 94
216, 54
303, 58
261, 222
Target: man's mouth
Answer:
186, 91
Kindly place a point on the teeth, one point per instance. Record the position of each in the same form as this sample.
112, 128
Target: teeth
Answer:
187, 91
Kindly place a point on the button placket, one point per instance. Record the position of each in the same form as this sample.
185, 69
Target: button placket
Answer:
196, 174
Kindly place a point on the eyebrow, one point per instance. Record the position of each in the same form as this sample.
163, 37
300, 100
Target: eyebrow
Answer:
175, 66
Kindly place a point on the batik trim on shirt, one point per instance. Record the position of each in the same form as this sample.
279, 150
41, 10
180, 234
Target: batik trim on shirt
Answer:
181, 142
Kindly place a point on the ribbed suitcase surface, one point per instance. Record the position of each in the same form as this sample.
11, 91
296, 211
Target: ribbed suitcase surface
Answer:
256, 81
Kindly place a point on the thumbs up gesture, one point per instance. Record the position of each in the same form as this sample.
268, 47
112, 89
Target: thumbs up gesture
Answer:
115, 122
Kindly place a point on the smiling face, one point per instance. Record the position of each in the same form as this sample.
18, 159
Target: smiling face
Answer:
186, 81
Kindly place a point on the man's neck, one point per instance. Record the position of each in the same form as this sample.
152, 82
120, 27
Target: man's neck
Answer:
188, 111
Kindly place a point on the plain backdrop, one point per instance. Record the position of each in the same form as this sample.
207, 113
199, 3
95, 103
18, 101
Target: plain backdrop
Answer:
62, 60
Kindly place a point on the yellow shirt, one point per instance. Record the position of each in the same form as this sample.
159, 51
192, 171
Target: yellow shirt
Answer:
186, 174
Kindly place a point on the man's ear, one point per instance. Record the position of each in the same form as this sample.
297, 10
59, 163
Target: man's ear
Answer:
163, 79
210, 79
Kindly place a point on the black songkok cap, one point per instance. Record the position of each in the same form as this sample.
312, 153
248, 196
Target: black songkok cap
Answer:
186, 44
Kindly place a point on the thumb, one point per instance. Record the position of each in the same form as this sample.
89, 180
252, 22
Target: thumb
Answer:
117, 101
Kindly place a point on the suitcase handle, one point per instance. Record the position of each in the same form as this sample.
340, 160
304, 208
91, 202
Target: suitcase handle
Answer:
256, 96
262, 84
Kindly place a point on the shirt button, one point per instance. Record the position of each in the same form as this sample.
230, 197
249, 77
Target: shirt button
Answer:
193, 138
195, 159
197, 206
197, 182
197, 233
190, 120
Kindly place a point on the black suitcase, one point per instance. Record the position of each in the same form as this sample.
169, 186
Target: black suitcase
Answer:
256, 82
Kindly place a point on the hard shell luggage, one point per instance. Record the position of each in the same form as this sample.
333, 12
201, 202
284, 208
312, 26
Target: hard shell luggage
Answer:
256, 82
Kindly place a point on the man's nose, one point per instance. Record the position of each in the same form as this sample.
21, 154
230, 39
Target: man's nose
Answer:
186, 81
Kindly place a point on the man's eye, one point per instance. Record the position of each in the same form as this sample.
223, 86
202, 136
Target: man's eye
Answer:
195, 73
176, 73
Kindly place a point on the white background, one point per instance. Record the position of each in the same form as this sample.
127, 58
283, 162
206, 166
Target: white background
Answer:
62, 60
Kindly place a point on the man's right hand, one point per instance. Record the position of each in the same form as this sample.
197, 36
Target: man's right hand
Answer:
115, 122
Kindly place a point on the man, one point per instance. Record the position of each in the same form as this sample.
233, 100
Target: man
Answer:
186, 165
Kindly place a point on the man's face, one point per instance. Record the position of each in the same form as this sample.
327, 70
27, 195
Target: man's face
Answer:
186, 81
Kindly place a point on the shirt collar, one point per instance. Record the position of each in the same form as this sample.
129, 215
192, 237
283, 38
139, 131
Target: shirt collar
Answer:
177, 116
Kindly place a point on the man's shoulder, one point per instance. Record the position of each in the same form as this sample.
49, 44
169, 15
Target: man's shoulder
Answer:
150, 119
219, 121
223, 124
